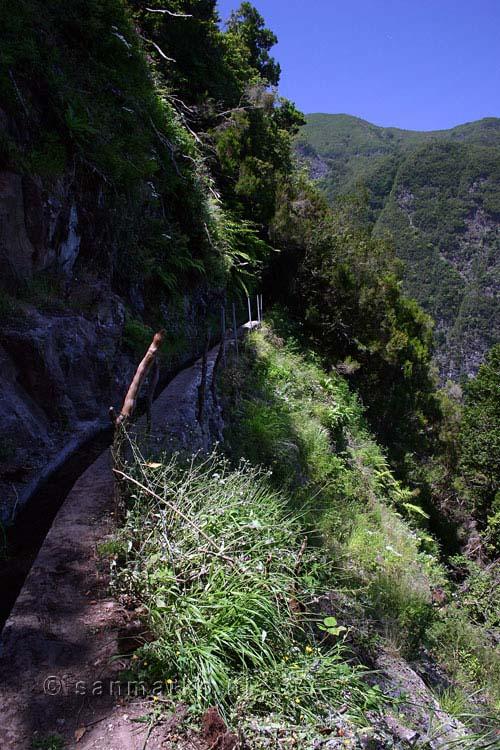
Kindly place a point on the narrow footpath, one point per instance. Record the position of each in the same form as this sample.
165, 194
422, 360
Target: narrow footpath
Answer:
59, 647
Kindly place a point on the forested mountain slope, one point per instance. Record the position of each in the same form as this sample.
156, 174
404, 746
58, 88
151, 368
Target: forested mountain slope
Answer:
437, 194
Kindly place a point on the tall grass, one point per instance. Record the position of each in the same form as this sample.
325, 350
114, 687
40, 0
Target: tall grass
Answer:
218, 565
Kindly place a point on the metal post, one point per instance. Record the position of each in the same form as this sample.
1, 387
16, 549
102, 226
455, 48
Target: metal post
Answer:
249, 311
203, 381
223, 329
235, 331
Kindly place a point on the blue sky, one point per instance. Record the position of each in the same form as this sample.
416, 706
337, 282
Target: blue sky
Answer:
418, 64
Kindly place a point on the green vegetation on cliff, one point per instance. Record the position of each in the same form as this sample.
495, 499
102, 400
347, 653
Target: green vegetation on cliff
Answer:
163, 129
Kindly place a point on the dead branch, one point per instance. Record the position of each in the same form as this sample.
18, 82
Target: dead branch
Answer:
157, 48
298, 562
169, 13
248, 108
182, 104
175, 510
168, 144
139, 377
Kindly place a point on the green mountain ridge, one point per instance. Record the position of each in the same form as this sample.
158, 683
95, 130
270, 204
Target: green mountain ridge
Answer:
437, 193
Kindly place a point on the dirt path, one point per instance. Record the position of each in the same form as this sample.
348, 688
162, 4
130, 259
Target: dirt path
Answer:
58, 674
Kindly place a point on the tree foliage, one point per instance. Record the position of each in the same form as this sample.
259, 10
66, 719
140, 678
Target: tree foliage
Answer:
348, 291
479, 446
247, 26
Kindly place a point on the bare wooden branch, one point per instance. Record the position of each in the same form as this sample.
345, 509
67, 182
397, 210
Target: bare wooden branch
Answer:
298, 562
139, 377
236, 109
164, 11
158, 49
168, 144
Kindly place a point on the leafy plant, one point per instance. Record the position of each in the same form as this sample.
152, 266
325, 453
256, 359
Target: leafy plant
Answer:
331, 626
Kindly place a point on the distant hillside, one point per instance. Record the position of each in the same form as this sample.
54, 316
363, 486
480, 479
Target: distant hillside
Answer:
438, 193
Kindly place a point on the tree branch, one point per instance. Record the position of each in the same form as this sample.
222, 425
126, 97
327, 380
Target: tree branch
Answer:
168, 13
158, 49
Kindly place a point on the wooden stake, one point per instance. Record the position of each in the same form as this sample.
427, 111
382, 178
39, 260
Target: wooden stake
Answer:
130, 402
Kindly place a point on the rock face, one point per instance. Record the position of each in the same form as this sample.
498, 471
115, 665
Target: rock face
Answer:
16, 250
56, 382
63, 359
38, 229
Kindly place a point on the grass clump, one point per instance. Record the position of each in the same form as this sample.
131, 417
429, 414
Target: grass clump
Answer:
50, 742
212, 555
308, 428
468, 654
